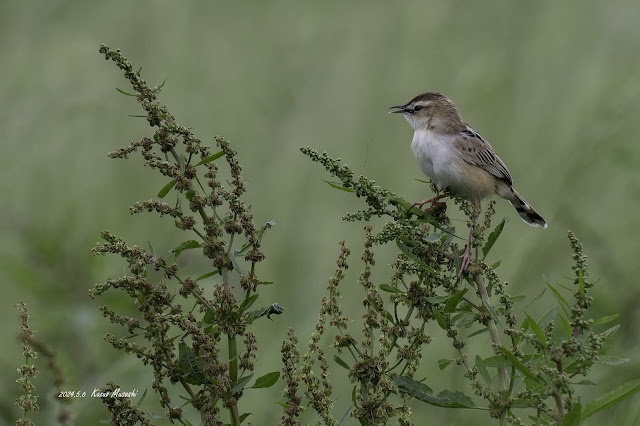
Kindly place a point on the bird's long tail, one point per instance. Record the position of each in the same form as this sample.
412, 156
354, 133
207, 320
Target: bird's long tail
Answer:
526, 212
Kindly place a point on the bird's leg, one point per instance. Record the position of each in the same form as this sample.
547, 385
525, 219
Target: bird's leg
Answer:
466, 256
432, 201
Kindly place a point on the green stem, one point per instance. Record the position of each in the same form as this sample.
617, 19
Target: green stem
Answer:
495, 339
233, 361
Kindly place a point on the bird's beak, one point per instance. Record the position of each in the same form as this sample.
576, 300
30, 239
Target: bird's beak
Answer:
399, 109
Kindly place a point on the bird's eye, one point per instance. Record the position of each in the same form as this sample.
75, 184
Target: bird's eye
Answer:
417, 108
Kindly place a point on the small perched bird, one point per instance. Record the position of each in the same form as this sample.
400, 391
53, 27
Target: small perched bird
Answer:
456, 157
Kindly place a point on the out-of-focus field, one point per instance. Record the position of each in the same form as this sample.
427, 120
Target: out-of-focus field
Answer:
554, 86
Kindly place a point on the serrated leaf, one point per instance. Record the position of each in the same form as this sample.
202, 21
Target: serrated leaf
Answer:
267, 380
337, 185
126, 93
340, 362
452, 303
404, 249
493, 237
446, 398
210, 158
537, 331
207, 275
442, 322
443, 363
191, 365
612, 398
165, 189
246, 303
612, 360
239, 385
390, 288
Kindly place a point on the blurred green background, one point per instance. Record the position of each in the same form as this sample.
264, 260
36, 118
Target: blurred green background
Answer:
554, 86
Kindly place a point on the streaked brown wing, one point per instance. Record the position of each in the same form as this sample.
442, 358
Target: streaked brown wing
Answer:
475, 150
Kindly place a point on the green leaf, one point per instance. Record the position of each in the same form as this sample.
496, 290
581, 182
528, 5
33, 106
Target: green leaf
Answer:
126, 93
152, 252
566, 324
446, 398
244, 416
520, 366
207, 275
442, 322
497, 361
404, 249
239, 385
580, 282
246, 303
337, 185
561, 300
144, 395
186, 245
572, 418
433, 238
548, 316
438, 299
340, 362
190, 194
390, 288
612, 360
491, 311
483, 371
493, 237
181, 163
476, 333
534, 300
537, 331
267, 380
452, 303
612, 398
165, 189
191, 365
605, 320
210, 158
443, 363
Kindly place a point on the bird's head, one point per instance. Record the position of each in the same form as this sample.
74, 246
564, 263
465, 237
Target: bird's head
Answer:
431, 111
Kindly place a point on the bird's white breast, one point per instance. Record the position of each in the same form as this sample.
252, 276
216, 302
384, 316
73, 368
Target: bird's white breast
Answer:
436, 158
